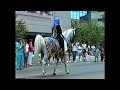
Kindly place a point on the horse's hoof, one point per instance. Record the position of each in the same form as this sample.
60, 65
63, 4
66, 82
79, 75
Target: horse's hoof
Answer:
67, 72
54, 73
44, 74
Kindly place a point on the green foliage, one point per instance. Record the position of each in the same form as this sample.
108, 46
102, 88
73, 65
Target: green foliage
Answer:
21, 28
90, 33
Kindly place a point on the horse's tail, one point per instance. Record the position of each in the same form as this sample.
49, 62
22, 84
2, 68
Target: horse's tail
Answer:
39, 40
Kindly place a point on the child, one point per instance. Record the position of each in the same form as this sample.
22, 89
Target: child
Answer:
85, 55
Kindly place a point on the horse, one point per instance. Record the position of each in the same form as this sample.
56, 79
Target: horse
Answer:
68, 39
46, 46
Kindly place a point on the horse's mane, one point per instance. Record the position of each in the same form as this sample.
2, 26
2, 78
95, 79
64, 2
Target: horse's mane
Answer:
66, 33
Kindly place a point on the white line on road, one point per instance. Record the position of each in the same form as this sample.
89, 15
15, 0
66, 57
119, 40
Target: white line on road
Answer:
37, 75
27, 76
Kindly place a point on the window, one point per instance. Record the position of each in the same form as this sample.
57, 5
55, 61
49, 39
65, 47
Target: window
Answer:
100, 19
77, 14
71, 14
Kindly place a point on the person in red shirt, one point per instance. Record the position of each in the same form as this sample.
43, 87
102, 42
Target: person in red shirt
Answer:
30, 52
102, 54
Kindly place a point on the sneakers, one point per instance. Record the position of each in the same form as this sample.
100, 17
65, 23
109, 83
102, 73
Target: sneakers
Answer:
74, 61
80, 60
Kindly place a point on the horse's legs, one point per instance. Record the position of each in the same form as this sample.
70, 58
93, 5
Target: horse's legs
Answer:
53, 58
43, 64
43, 70
54, 72
56, 57
65, 65
48, 60
70, 55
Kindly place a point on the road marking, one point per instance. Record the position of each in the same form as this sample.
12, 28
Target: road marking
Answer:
38, 74
28, 76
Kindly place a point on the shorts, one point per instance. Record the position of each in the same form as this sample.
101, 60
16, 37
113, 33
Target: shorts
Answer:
26, 54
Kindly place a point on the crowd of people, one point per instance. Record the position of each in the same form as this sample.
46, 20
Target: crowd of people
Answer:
40, 12
24, 53
83, 50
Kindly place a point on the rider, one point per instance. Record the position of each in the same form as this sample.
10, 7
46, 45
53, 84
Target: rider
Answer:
57, 32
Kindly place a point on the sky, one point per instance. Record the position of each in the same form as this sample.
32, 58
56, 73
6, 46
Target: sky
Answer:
77, 14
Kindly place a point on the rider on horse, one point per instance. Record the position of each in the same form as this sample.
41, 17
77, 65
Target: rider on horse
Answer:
57, 33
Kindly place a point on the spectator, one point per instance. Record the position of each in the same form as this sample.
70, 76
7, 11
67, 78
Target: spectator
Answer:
16, 43
20, 58
32, 12
26, 54
84, 55
79, 51
30, 52
23, 50
74, 51
50, 13
41, 12
102, 54
84, 46
38, 12
97, 52
88, 47
77, 43
93, 49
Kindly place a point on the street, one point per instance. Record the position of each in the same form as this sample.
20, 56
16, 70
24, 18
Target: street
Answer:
78, 70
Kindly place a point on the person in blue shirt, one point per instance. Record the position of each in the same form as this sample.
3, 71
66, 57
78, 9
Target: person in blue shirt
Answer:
57, 32
16, 43
19, 54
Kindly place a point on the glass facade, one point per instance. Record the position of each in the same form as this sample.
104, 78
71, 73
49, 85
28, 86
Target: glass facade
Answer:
77, 14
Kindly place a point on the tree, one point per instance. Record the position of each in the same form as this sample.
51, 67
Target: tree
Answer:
21, 28
90, 33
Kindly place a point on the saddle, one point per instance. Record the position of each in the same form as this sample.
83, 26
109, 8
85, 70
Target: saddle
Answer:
53, 44
52, 41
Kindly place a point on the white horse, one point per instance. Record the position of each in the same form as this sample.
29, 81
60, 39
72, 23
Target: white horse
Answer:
40, 47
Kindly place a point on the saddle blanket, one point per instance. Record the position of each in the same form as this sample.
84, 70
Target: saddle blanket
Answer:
52, 41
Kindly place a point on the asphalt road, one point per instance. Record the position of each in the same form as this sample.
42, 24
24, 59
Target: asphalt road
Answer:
78, 70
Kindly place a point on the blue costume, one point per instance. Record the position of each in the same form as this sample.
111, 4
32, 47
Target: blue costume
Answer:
20, 56
58, 35
56, 22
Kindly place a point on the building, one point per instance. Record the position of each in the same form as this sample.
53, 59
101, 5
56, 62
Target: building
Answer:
97, 16
42, 23
85, 16
76, 15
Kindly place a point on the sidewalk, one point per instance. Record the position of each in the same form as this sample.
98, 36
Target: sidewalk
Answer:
90, 59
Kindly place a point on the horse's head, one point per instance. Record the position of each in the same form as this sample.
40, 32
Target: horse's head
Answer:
72, 35
69, 34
